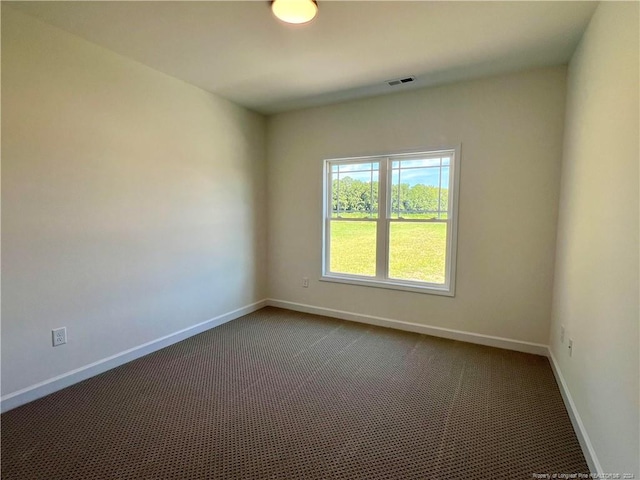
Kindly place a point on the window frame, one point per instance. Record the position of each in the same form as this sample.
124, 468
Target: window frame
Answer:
384, 221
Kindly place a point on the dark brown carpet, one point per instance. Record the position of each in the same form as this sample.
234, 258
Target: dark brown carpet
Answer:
279, 395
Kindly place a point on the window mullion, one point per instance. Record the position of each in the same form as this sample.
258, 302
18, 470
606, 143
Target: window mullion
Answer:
382, 227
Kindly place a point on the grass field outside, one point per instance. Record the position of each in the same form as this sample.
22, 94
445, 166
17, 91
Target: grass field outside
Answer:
417, 251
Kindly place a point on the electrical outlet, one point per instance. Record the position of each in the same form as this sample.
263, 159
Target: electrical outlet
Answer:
305, 282
59, 336
570, 347
561, 333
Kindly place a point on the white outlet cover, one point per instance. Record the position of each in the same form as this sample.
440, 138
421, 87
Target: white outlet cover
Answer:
59, 336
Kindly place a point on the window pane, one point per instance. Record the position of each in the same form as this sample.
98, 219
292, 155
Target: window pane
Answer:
417, 191
357, 167
417, 251
445, 177
444, 193
354, 190
423, 162
353, 248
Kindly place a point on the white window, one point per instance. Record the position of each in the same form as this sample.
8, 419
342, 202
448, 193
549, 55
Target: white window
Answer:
390, 221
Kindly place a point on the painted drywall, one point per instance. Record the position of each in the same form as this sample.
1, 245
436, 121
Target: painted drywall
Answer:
510, 128
132, 203
596, 274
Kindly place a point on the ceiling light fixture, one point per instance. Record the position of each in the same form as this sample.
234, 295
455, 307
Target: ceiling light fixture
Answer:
294, 11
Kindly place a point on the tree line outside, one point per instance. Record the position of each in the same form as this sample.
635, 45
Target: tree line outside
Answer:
356, 199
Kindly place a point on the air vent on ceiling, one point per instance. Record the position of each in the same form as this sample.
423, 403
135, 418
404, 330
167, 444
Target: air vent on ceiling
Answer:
400, 81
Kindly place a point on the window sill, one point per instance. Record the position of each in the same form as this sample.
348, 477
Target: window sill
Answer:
390, 284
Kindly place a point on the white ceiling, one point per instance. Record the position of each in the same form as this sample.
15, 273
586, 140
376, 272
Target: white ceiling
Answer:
238, 50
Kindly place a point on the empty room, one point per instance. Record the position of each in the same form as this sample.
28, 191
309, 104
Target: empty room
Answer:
320, 240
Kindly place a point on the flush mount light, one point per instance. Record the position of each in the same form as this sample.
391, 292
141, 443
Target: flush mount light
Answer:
294, 11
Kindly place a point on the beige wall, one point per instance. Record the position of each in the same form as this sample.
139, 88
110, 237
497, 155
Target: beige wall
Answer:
510, 128
132, 203
596, 277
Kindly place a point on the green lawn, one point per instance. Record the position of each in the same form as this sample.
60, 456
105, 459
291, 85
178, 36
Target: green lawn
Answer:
417, 250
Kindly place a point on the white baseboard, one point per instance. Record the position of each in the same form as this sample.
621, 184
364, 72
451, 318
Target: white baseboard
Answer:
509, 344
576, 421
33, 392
